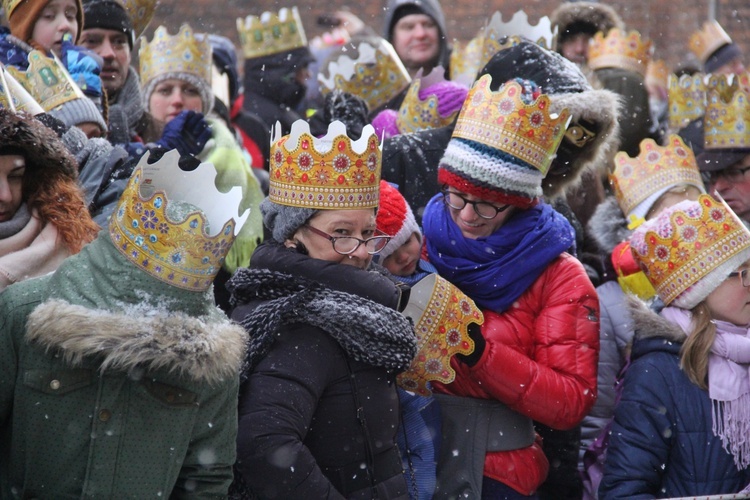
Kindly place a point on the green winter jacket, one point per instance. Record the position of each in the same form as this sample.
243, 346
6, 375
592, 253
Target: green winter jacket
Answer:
115, 385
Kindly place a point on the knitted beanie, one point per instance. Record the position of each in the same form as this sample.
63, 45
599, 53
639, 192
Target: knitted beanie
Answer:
78, 111
384, 124
204, 88
284, 220
108, 15
23, 17
723, 55
395, 219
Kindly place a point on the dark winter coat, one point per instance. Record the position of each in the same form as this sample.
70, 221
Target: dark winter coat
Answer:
661, 443
311, 415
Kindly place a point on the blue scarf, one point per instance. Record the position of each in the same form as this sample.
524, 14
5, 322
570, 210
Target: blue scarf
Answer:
495, 271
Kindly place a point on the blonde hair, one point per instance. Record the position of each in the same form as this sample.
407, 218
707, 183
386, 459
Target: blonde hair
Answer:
695, 350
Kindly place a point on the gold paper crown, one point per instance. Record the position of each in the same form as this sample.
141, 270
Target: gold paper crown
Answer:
181, 53
331, 172
654, 169
14, 97
9, 6
140, 12
466, 60
705, 41
727, 119
620, 50
501, 120
183, 249
687, 99
376, 74
676, 254
415, 114
271, 33
47, 81
442, 314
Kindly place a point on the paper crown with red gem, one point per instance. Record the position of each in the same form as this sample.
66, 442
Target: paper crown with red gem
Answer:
371, 71
687, 99
620, 50
655, 170
175, 224
690, 248
442, 315
706, 40
271, 33
325, 173
727, 117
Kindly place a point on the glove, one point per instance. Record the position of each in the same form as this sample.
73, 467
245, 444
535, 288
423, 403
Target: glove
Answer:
49, 121
188, 133
347, 108
83, 65
475, 333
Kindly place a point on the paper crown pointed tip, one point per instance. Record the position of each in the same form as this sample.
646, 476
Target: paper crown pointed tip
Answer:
620, 49
271, 33
687, 99
707, 40
179, 53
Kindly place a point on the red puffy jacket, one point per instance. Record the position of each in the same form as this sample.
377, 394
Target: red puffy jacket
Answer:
540, 360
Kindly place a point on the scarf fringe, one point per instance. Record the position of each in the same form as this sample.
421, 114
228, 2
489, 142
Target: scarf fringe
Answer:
731, 423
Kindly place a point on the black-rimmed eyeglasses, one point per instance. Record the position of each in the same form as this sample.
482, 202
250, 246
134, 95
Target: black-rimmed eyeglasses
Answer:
483, 209
345, 245
744, 277
732, 175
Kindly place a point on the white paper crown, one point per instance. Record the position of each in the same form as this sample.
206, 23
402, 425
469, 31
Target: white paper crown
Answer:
541, 33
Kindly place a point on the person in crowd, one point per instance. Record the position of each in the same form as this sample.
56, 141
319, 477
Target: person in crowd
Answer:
680, 427
577, 23
118, 375
489, 234
43, 217
716, 51
322, 425
41, 24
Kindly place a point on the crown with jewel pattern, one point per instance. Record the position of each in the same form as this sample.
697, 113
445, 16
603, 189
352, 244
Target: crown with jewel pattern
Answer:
47, 81
620, 50
181, 53
466, 59
375, 74
416, 114
654, 169
502, 120
727, 117
140, 12
325, 173
183, 244
685, 244
14, 97
442, 314
271, 33
705, 41
687, 99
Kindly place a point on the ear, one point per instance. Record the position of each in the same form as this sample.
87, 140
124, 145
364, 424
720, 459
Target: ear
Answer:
289, 243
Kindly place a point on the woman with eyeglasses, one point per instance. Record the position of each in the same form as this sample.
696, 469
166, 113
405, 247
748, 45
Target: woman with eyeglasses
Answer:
492, 236
682, 424
318, 408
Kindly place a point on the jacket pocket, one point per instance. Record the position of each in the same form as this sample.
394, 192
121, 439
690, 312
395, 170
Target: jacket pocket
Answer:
57, 382
170, 395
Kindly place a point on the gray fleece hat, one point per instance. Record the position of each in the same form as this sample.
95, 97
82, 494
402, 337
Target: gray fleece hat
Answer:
282, 220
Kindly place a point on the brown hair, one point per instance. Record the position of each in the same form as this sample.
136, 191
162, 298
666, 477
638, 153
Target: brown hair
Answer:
694, 352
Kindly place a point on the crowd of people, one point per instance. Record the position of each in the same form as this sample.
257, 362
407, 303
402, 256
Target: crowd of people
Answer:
339, 268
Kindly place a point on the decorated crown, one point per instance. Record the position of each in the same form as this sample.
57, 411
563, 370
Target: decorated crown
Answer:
655, 168
687, 242
271, 33
181, 53
442, 314
14, 97
620, 50
9, 6
376, 74
415, 114
541, 33
501, 120
705, 41
141, 12
727, 117
325, 173
183, 244
466, 59
687, 99
47, 81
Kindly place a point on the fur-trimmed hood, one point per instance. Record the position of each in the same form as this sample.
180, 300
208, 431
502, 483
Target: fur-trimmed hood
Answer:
175, 342
601, 16
648, 324
608, 226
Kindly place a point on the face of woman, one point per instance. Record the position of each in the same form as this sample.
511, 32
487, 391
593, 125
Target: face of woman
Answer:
173, 96
730, 301
12, 168
358, 223
467, 219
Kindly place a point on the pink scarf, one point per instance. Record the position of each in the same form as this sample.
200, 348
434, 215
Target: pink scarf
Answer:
728, 383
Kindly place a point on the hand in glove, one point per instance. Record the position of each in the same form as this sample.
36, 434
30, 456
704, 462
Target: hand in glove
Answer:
475, 332
188, 133
347, 108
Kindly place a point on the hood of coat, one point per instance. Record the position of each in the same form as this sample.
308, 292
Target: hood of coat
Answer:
601, 16
431, 8
653, 332
608, 226
187, 346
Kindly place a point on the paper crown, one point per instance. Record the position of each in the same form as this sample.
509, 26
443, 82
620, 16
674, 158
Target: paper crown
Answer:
620, 50
376, 74
687, 99
14, 97
501, 120
727, 118
466, 59
183, 245
415, 114
271, 33
654, 169
9, 6
705, 41
141, 12
181, 53
47, 81
683, 245
325, 173
442, 314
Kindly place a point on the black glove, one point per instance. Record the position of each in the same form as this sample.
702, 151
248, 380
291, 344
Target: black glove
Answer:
475, 333
347, 108
58, 126
188, 133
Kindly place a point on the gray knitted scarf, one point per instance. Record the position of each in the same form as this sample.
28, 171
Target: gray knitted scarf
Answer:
369, 332
126, 110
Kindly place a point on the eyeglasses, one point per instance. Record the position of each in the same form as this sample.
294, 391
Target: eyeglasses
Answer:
345, 245
730, 175
744, 277
483, 209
